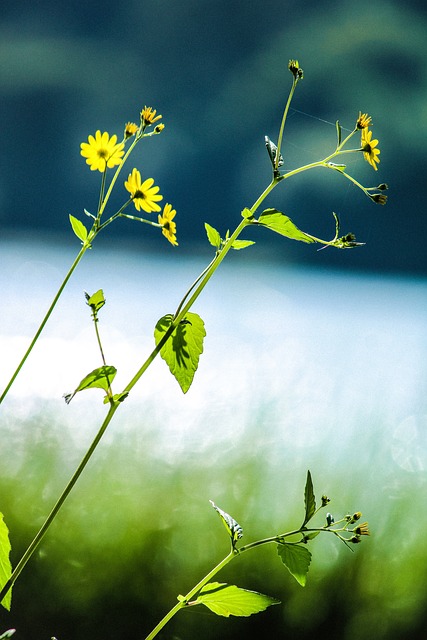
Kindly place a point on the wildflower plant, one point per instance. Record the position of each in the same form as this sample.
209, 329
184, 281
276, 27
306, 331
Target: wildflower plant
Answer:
179, 336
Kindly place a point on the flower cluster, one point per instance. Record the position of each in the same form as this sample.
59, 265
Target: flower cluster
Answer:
103, 152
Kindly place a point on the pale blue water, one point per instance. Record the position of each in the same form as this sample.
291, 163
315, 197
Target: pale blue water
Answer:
323, 351
336, 360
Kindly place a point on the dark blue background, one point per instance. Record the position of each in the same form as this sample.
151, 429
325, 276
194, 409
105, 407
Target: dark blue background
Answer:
217, 71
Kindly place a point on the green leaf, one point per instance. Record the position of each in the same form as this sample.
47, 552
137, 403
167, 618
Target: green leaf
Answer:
311, 535
296, 558
234, 529
229, 600
338, 132
182, 350
7, 634
5, 566
78, 228
337, 167
213, 236
247, 213
117, 397
278, 222
309, 499
100, 378
95, 301
241, 244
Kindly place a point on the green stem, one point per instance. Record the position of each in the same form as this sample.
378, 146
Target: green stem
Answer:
44, 321
282, 125
184, 307
183, 603
116, 175
42, 532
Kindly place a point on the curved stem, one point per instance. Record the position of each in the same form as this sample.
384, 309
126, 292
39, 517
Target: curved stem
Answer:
282, 125
44, 321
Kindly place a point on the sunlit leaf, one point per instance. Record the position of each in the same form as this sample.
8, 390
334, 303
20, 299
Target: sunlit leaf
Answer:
78, 228
296, 558
278, 222
242, 244
100, 378
229, 600
337, 167
234, 529
213, 236
5, 566
311, 535
309, 499
95, 301
182, 350
117, 397
247, 213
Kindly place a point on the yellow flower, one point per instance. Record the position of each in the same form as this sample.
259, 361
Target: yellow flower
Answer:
369, 149
130, 129
148, 116
168, 225
102, 151
363, 120
143, 194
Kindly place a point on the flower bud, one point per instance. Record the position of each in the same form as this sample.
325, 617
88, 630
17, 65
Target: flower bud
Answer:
295, 69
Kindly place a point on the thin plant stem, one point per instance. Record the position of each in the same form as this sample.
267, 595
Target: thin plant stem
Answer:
44, 321
180, 605
52, 515
282, 125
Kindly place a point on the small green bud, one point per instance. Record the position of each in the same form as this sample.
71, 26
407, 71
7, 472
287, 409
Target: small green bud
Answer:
355, 517
295, 69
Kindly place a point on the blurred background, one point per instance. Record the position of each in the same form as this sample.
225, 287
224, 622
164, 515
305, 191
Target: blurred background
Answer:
313, 360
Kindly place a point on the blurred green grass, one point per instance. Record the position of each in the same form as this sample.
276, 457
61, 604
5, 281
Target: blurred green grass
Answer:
137, 532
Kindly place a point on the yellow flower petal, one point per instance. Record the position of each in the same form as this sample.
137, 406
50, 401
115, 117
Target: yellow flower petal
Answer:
101, 151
